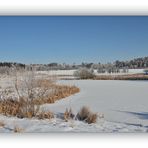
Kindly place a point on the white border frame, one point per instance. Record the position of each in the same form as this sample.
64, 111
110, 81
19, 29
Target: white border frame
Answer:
74, 7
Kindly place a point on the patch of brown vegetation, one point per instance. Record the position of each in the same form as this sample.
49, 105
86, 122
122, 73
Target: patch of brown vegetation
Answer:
92, 118
28, 107
86, 115
31, 92
122, 77
58, 92
18, 129
21, 108
45, 115
68, 115
2, 124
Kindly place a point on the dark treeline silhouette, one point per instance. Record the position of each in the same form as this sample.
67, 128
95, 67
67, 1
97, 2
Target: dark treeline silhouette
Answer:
11, 64
132, 64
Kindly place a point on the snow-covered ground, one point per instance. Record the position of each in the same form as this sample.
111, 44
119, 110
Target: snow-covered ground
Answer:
130, 71
71, 72
58, 125
57, 72
123, 103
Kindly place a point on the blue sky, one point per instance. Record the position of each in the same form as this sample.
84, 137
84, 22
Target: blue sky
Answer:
45, 39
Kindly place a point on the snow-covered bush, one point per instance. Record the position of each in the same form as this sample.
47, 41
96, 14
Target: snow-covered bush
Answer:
45, 115
84, 73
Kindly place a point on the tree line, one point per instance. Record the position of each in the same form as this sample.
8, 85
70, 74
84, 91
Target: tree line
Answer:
12, 64
101, 67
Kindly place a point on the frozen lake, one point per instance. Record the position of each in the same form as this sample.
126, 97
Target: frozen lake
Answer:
119, 101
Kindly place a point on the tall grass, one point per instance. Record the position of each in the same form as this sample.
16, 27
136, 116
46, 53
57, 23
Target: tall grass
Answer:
58, 92
32, 92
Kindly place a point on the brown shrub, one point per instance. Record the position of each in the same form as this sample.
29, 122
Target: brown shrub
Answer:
86, 115
92, 118
83, 113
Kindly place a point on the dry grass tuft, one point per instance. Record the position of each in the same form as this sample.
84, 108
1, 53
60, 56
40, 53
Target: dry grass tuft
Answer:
86, 115
18, 130
45, 115
68, 114
2, 124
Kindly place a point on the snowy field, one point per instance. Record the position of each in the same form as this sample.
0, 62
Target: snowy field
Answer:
123, 103
58, 72
130, 71
71, 72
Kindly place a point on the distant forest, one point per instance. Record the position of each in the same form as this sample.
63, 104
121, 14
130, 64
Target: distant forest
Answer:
11, 64
138, 63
